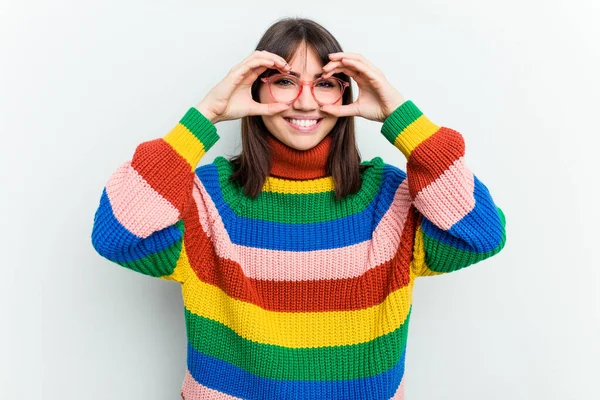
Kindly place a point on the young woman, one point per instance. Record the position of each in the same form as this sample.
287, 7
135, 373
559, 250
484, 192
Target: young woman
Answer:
297, 260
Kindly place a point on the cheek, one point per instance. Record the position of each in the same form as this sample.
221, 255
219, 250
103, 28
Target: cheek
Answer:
270, 121
329, 123
264, 95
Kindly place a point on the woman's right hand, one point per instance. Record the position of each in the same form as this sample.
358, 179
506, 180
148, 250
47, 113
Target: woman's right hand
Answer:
232, 98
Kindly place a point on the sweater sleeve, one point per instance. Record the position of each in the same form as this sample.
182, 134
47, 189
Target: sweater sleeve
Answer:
458, 223
139, 223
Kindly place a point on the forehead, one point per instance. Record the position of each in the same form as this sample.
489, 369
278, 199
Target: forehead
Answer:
305, 62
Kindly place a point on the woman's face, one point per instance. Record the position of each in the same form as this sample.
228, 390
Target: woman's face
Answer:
305, 63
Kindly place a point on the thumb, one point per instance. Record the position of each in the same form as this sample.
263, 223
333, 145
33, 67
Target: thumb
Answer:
269, 108
340, 111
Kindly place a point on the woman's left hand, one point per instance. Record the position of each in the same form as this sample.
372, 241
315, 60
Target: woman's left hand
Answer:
377, 98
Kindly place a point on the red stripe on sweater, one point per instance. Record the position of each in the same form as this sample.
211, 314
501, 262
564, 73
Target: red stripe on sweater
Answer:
165, 170
432, 158
302, 296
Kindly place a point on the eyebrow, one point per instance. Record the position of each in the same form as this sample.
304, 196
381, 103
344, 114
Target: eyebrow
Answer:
298, 75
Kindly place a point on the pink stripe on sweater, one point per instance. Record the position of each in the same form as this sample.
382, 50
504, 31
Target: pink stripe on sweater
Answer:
350, 261
450, 197
136, 205
192, 390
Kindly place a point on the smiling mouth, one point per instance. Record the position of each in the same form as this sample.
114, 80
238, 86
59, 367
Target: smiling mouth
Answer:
304, 123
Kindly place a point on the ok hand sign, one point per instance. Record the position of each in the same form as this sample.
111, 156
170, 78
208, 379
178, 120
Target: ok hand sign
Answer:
232, 98
377, 98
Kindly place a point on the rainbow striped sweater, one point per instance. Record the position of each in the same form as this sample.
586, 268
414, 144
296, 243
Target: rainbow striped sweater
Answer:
281, 303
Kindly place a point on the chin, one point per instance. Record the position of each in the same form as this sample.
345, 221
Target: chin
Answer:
307, 145
302, 142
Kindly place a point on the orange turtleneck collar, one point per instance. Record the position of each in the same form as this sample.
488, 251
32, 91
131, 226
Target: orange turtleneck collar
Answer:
289, 163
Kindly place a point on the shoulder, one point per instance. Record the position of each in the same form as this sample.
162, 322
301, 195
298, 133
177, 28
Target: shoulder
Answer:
214, 176
388, 171
220, 165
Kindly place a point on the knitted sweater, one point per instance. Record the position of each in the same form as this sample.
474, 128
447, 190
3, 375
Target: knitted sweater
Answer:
294, 294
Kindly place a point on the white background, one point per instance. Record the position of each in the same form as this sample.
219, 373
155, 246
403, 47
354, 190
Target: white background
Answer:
82, 83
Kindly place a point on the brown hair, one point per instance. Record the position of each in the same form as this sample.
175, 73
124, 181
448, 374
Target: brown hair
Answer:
252, 165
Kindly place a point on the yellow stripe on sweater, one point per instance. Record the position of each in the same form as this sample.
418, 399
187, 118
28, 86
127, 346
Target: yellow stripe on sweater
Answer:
310, 186
414, 134
297, 329
418, 266
186, 144
182, 268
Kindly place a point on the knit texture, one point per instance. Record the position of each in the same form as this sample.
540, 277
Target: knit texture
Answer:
287, 162
294, 294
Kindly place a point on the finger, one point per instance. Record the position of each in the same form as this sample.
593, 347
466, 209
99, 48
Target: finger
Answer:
267, 108
340, 54
270, 54
341, 110
352, 56
362, 68
250, 62
331, 64
262, 61
280, 61
263, 54
254, 66
337, 70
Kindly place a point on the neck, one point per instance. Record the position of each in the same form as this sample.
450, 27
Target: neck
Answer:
289, 163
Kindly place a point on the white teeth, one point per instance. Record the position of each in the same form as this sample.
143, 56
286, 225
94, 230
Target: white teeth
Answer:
303, 122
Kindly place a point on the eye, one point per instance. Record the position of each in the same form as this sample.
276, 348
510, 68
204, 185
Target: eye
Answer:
284, 82
326, 84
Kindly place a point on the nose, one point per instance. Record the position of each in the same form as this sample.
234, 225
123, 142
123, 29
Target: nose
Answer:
306, 101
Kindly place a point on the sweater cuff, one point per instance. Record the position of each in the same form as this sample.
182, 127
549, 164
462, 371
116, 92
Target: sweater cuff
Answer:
406, 127
193, 136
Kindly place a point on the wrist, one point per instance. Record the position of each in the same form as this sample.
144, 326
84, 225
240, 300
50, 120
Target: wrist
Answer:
211, 116
394, 105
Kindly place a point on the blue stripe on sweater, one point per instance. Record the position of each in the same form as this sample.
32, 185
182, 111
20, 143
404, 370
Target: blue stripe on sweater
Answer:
478, 231
228, 378
337, 233
114, 242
